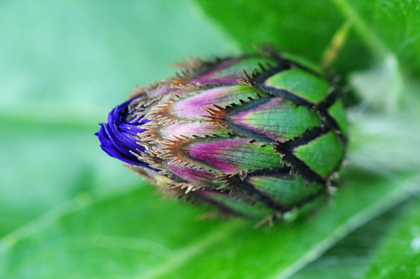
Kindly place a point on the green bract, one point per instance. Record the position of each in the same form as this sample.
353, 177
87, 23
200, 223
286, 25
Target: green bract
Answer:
257, 135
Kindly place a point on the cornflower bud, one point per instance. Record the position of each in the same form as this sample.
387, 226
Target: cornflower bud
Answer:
258, 135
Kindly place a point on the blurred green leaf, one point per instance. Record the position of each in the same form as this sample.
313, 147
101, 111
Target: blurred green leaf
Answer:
350, 256
385, 144
398, 255
83, 53
140, 235
381, 86
380, 28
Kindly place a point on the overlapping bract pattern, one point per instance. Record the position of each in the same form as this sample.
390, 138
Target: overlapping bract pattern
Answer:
255, 135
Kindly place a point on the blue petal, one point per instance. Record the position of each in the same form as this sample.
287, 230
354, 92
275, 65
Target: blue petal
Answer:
117, 136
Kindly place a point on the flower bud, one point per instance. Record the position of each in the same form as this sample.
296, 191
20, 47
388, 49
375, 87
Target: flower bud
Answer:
256, 135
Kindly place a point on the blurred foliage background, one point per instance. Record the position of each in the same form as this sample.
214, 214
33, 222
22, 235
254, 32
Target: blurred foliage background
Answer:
69, 211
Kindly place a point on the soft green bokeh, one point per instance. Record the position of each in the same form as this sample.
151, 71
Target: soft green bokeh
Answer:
398, 255
306, 27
